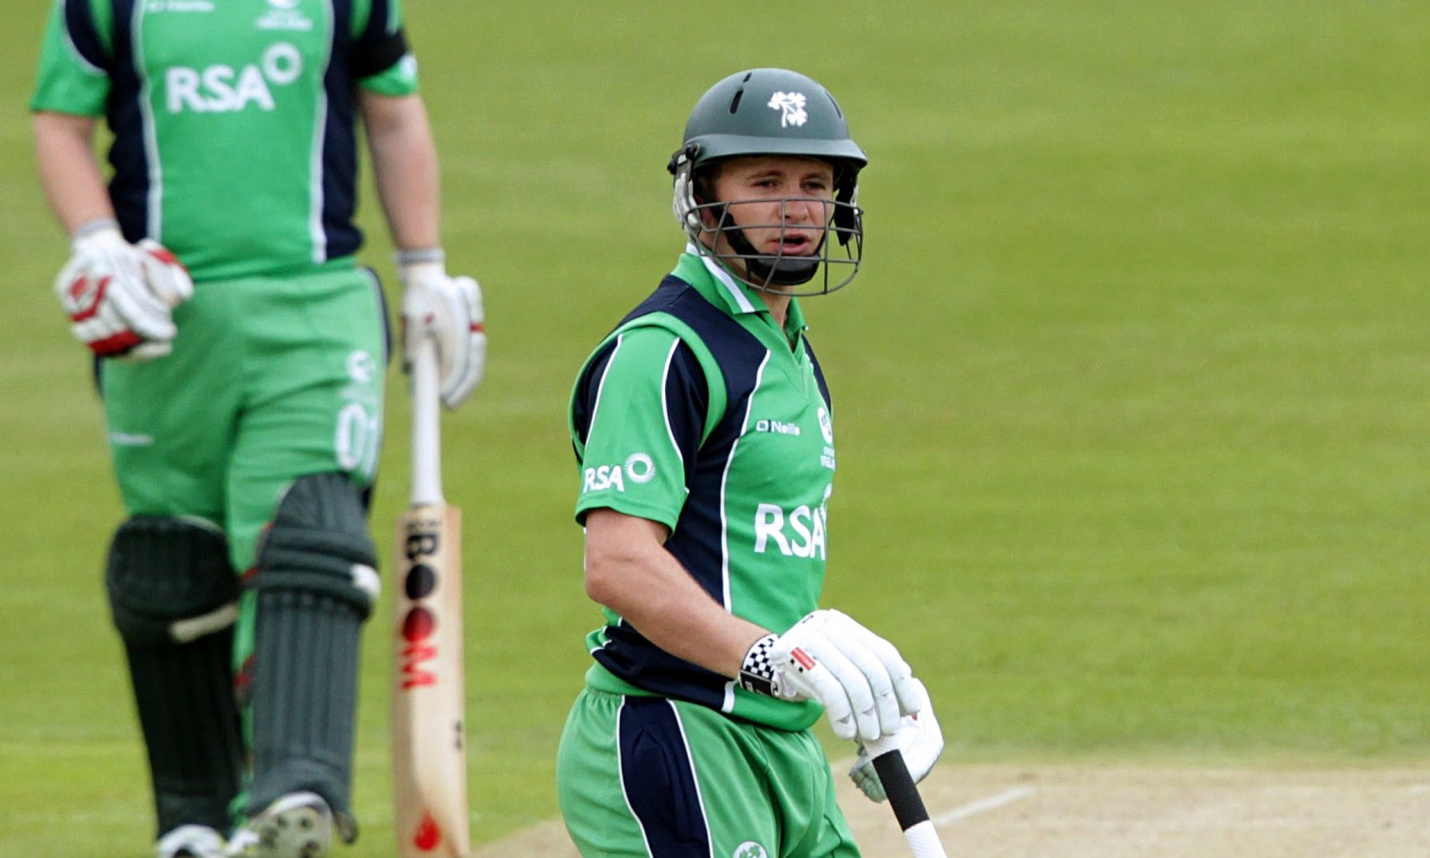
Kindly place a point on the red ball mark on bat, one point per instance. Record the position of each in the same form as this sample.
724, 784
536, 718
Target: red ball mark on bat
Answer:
429, 834
418, 625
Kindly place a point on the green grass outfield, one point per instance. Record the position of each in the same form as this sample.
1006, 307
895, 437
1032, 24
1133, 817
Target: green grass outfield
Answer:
1133, 394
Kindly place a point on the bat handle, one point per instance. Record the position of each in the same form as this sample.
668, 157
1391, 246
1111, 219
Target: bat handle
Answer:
904, 798
426, 428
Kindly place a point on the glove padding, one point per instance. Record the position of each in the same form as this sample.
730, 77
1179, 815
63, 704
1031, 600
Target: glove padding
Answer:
449, 310
120, 296
920, 741
860, 678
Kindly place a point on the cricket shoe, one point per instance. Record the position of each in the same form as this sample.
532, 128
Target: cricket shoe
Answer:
298, 825
191, 841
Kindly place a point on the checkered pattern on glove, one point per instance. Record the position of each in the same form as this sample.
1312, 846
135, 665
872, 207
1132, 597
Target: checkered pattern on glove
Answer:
757, 674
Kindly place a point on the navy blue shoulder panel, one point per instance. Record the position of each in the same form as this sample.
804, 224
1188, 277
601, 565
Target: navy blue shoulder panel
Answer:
84, 35
376, 49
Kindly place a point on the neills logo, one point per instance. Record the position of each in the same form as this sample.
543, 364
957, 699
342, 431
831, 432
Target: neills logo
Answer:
419, 626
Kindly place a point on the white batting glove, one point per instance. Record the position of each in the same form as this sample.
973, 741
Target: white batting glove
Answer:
120, 296
449, 311
860, 678
920, 741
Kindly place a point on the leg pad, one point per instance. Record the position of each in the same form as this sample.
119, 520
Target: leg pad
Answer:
172, 596
316, 584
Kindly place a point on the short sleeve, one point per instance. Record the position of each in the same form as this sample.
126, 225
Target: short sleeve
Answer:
382, 60
74, 58
638, 415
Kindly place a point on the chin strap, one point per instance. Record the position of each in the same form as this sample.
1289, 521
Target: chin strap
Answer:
773, 270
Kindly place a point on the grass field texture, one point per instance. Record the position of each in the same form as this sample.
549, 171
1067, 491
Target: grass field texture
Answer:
1132, 394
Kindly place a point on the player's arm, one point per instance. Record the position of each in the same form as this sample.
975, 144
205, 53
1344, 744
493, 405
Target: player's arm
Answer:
405, 167
434, 305
69, 172
629, 571
119, 296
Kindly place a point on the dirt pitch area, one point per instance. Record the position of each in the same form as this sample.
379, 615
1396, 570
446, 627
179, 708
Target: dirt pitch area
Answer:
1121, 811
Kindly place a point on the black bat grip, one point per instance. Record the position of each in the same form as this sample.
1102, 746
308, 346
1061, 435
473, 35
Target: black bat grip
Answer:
904, 798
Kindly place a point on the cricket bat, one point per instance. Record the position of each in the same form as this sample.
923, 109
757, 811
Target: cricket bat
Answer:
904, 798
429, 748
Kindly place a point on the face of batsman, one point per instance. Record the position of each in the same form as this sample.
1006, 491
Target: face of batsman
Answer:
766, 182
768, 217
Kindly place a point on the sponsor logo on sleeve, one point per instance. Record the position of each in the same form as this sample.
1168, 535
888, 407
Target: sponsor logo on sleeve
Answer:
638, 468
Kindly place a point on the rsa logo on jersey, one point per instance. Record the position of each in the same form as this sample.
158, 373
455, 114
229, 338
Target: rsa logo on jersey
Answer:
638, 468
225, 89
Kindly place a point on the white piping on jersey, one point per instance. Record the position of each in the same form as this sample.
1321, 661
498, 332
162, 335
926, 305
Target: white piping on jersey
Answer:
154, 225
601, 388
315, 156
665, 406
723, 277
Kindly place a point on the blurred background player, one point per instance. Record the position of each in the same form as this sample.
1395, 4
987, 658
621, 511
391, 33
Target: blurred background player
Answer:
240, 354
705, 438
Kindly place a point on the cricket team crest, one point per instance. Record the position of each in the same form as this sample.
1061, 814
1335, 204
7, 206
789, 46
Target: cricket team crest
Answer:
750, 849
791, 108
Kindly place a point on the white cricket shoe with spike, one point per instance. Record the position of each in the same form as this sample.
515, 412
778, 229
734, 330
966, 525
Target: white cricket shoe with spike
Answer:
298, 825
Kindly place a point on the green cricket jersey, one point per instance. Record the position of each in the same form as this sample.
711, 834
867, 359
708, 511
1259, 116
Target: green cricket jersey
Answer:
203, 98
700, 413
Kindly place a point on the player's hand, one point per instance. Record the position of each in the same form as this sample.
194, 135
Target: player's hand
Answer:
920, 741
449, 311
860, 678
120, 296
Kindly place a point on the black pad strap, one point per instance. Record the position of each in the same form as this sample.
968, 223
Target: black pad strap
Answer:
169, 581
318, 543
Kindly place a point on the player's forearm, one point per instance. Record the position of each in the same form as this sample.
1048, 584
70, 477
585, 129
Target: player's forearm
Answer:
629, 571
69, 173
405, 168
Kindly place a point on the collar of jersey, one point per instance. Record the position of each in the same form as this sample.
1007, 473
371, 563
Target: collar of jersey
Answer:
711, 280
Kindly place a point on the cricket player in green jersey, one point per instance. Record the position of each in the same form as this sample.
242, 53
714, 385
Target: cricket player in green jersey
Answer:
705, 438
240, 353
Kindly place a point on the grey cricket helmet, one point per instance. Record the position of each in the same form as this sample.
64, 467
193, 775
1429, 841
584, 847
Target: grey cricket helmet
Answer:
770, 111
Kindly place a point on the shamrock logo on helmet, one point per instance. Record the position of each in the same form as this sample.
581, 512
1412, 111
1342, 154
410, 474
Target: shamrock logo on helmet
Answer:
791, 108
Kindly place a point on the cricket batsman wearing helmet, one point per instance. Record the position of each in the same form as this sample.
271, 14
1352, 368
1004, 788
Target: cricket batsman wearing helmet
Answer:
240, 353
704, 434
